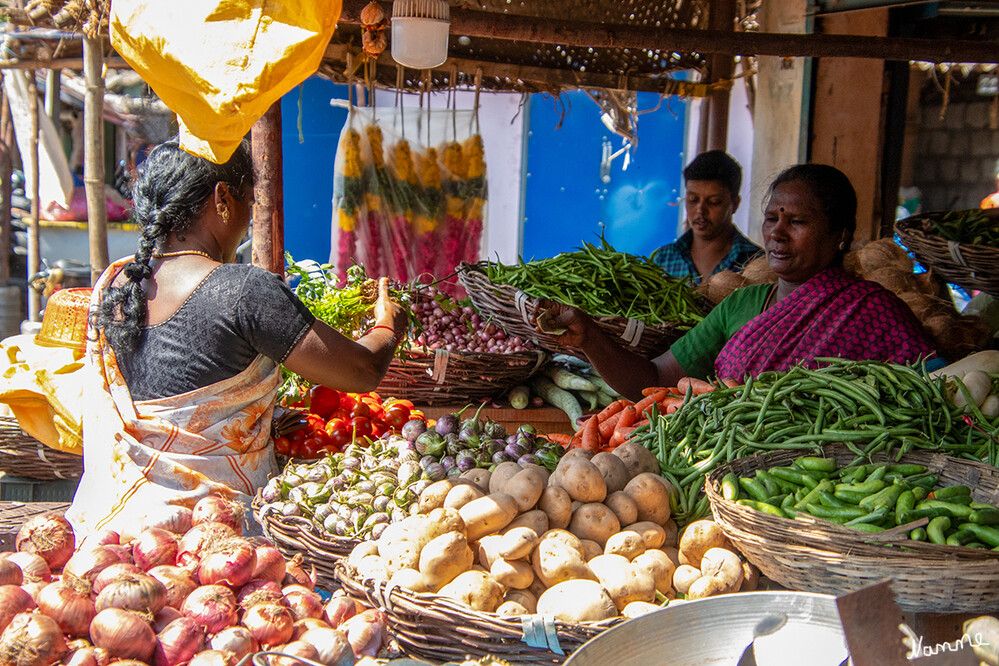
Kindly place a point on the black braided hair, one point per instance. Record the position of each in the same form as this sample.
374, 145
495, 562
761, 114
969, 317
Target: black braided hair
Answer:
173, 187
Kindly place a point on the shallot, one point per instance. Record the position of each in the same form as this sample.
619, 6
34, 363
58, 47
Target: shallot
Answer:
237, 640
48, 535
125, 635
270, 564
229, 562
13, 600
178, 642
303, 602
133, 592
102, 579
197, 538
86, 564
211, 606
304, 625
295, 651
332, 645
33, 567
178, 583
212, 658
215, 509
338, 610
32, 639
154, 547
68, 602
11, 574
165, 616
270, 624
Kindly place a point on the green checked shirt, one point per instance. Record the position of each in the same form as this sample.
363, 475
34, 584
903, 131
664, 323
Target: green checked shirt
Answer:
675, 257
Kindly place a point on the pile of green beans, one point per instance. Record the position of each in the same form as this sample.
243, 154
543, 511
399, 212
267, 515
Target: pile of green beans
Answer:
870, 407
602, 281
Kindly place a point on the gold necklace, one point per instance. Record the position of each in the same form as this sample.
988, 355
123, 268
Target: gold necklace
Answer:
767, 303
164, 255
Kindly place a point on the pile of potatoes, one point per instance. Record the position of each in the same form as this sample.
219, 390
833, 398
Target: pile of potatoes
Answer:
592, 541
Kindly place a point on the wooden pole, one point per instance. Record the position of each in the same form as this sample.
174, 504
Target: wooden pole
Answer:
722, 18
93, 156
112, 62
268, 207
34, 245
6, 140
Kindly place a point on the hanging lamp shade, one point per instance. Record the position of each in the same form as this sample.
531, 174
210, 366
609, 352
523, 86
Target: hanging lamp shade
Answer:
420, 32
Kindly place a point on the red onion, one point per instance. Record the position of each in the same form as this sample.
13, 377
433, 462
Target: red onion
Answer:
259, 591
153, 548
124, 553
68, 602
13, 600
195, 539
338, 610
302, 626
237, 640
32, 639
123, 634
86, 564
33, 589
10, 573
177, 581
33, 567
303, 602
165, 616
177, 519
296, 574
294, 650
270, 564
228, 563
102, 579
103, 537
178, 642
215, 509
49, 535
270, 624
212, 658
332, 645
211, 606
366, 632
133, 592
87, 656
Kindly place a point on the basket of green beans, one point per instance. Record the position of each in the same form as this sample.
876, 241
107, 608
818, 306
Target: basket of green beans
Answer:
628, 296
828, 523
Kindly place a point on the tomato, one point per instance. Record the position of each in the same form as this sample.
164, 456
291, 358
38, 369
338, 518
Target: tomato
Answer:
378, 428
295, 449
298, 436
281, 445
377, 412
342, 413
322, 437
347, 401
417, 414
324, 400
332, 448
340, 435
396, 417
337, 422
370, 394
311, 448
360, 409
398, 402
361, 426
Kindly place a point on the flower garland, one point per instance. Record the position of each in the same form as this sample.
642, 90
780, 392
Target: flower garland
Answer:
376, 185
474, 196
431, 197
348, 199
453, 242
404, 191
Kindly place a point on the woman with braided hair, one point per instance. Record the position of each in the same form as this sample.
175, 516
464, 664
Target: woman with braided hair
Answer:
185, 351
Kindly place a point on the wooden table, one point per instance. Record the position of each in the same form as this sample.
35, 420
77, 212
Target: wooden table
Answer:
545, 419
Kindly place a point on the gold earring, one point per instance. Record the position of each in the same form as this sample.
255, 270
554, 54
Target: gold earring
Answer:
223, 211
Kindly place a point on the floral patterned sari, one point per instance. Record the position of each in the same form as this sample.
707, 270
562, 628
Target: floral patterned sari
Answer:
142, 459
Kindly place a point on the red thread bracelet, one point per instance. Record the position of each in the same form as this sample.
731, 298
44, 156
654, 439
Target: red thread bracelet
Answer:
387, 328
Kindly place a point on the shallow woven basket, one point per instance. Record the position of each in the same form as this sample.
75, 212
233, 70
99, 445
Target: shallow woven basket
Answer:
293, 535
970, 266
64, 323
14, 514
441, 629
812, 555
510, 307
444, 378
24, 456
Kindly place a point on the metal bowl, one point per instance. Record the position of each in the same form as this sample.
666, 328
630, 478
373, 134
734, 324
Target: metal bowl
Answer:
717, 630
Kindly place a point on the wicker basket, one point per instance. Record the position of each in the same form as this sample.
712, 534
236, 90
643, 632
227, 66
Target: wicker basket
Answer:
24, 456
64, 323
511, 307
14, 514
441, 629
445, 378
293, 535
970, 266
812, 555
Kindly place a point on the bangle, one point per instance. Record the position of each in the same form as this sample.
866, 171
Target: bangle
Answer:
387, 328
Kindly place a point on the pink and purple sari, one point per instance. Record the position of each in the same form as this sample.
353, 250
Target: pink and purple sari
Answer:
833, 314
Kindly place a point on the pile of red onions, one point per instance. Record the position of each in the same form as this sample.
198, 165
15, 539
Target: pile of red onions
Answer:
205, 596
448, 325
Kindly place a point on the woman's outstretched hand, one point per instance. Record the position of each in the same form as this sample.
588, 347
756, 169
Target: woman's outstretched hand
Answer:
563, 323
390, 313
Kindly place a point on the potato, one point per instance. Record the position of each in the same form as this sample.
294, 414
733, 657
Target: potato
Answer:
707, 586
671, 533
564, 536
525, 488
614, 471
750, 578
657, 563
488, 514
591, 549
511, 609
582, 480
410, 579
475, 589
571, 454
542, 473
536, 521
684, 577
638, 608
443, 520
479, 476
555, 561
625, 543
724, 565
400, 544
444, 558
637, 459
461, 495
525, 598
433, 496
652, 497
557, 504
623, 507
594, 521
699, 537
516, 574
488, 550
518, 543
623, 581
673, 554
372, 567
502, 473
654, 535
362, 549
577, 601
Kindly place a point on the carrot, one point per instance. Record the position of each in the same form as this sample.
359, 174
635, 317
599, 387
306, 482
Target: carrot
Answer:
628, 416
566, 441
607, 427
640, 423
650, 400
612, 409
698, 386
620, 436
649, 390
731, 382
590, 435
669, 404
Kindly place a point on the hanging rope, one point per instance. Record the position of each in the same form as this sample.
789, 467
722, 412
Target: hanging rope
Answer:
478, 89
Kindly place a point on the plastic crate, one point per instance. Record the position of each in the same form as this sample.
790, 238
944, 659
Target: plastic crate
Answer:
16, 489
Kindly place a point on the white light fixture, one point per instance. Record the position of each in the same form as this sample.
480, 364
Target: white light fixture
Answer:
419, 32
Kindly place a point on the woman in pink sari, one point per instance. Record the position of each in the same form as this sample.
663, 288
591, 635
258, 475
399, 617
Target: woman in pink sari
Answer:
816, 309
186, 347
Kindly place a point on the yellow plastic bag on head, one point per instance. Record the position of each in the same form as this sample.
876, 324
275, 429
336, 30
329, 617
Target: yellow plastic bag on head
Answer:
220, 64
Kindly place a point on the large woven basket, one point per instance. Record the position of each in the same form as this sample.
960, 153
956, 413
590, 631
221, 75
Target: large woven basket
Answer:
511, 307
970, 266
293, 535
444, 378
24, 456
813, 555
441, 629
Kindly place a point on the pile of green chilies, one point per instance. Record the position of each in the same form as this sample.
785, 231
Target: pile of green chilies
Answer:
870, 407
967, 226
602, 281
